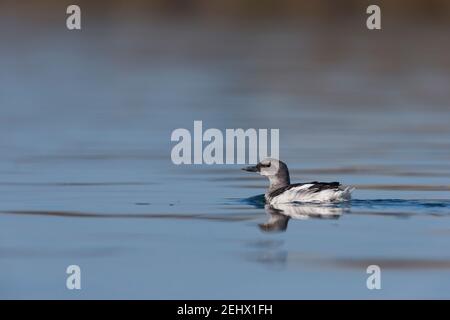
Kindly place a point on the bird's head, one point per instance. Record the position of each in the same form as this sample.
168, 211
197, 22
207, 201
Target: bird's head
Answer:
269, 167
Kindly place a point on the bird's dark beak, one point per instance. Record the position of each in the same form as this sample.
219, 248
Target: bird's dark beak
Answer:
251, 169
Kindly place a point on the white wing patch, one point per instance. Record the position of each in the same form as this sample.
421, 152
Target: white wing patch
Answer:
303, 193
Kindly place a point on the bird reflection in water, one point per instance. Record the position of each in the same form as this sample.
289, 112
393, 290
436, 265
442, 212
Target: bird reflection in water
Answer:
280, 214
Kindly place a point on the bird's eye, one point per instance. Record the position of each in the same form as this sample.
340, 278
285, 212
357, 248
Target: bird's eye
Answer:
265, 165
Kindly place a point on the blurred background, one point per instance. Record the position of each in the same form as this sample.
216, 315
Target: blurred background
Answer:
86, 176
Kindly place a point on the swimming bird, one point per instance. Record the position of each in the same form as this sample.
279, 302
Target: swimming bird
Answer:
282, 191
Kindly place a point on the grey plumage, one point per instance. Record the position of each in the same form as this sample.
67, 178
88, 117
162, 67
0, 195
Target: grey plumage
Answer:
281, 190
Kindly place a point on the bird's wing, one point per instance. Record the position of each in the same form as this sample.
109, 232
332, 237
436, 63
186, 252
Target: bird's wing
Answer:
294, 191
310, 187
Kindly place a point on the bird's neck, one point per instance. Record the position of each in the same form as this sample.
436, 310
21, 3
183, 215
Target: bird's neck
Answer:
278, 181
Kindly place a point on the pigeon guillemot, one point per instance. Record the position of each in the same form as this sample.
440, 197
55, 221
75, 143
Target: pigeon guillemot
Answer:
282, 191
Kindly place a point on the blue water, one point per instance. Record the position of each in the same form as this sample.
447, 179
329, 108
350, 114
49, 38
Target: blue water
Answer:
86, 176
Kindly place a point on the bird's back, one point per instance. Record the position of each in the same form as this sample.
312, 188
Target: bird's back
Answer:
310, 192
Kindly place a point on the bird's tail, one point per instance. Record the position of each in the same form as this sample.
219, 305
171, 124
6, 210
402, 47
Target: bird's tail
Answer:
347, 193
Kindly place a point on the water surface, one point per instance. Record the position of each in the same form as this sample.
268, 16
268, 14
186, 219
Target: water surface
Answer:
86, 176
